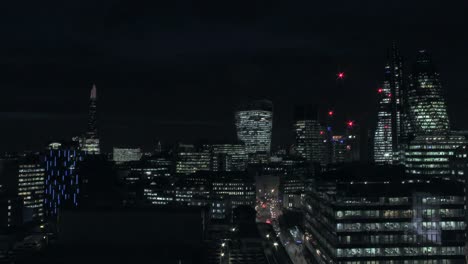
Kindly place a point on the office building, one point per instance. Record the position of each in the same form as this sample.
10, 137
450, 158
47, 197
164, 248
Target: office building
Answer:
430, 155
22, 178
153, 167
292, 191
459, 164
122, 155
192, 190
229, 157
221, 192
90, 142
392, 127
309, 135
433, 144
375, 215
353, 142
254, 123
190, 160
62, 183
426, 99
159, 192
338, 154
31, 180
384, 136
228, 191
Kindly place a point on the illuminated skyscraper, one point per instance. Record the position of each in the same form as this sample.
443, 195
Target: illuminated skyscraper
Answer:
429, 153
254, 123
310, 135
391, 116
426, 100
62, 180
90, 143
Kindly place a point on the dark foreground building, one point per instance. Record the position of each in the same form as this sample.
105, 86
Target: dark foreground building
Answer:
375, 215
166, 235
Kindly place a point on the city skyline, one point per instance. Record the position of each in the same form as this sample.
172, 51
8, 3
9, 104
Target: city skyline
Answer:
140, 77
283, 127
237, 131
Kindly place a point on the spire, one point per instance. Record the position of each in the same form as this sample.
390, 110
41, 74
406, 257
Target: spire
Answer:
93, 92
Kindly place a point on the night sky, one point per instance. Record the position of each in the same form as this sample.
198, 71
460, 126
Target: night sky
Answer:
175, 70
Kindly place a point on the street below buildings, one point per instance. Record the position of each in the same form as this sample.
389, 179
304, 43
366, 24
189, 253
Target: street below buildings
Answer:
274, 250
297, 252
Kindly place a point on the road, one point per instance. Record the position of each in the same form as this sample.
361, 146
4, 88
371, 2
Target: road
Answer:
297, 253
274, 250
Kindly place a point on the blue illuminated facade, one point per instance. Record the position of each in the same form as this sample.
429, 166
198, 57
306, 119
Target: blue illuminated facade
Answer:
62, 180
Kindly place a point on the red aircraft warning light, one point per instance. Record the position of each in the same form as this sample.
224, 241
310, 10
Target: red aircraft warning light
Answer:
340, 75
380, 90
350, 123
330, 113
321, 132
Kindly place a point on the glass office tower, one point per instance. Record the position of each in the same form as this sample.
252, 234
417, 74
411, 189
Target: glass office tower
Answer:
433, 144
426, 98
254, 123
375, 215
391, 116
309, 135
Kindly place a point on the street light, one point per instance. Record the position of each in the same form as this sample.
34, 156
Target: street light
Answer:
268, 236
223, 244
275, 244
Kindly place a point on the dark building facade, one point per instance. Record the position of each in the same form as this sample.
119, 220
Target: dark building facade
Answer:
11, 204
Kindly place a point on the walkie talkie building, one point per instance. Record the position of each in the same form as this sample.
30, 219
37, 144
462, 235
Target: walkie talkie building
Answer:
254, 123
